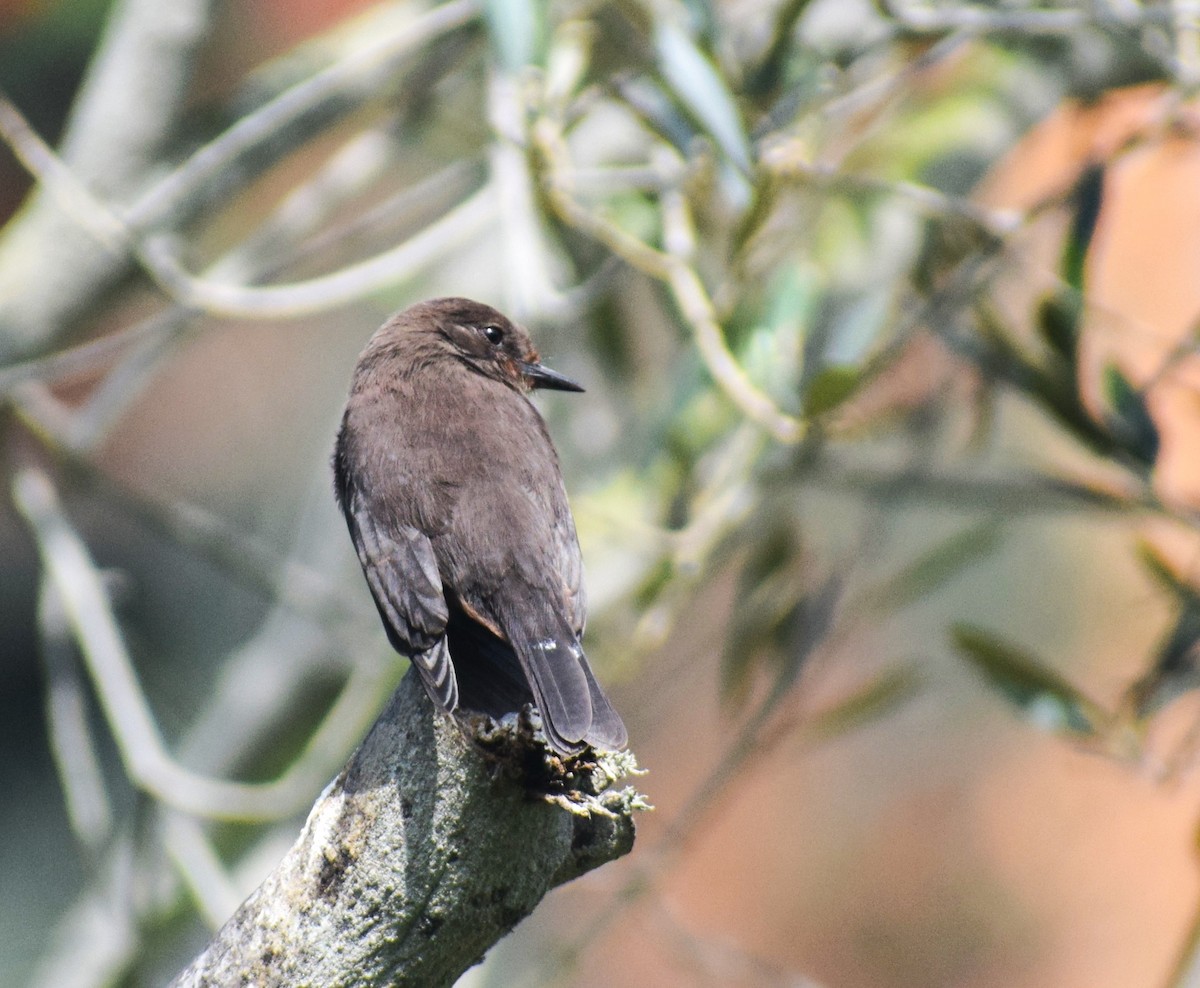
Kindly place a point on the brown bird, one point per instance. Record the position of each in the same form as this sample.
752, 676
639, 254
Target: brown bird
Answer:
453, 495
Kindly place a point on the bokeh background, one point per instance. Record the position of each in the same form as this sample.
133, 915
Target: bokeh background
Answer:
887, 473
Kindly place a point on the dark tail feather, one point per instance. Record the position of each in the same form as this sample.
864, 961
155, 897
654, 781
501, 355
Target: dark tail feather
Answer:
550, 671
608, 730
560, 688
551, 660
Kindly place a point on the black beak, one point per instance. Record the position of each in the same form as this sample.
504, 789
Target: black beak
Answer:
543, 377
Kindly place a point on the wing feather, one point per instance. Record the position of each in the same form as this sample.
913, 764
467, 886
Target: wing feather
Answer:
402, 572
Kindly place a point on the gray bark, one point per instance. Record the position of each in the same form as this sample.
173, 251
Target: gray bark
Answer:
419, 856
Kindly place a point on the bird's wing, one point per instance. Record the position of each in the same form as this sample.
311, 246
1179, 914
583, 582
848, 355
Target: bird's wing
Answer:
402, 572
568, 562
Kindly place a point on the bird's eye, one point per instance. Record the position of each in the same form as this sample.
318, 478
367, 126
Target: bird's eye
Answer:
494, 334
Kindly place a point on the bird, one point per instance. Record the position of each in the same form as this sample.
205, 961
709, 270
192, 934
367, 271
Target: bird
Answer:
453, 494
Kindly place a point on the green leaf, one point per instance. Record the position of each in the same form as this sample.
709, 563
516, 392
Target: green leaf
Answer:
781, 619
806, 625
637, 215
1165, 575
936, 567
700, 88
1087, 196
770, 585
658, 111
830, 388
781, 53
878, 697
1176, 668
1058, 324
1037, 691
1054, 387
1129, 420
703, 20
653, 584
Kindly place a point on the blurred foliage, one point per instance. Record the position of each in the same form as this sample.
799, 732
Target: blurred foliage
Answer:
1031, 685
750, 226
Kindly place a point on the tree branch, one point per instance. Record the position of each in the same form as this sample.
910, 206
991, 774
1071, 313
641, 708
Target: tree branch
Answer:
419, 856
125, 116
51, 268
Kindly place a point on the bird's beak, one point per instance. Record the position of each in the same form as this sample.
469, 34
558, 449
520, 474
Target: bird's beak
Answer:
539, 376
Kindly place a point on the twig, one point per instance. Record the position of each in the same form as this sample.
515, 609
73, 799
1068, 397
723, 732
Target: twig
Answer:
674, 268
291, 583
125, 117
157, 256
197, 862
382, 45
282, 239
265, 251
256, 693
355, 281
71, 742
693, 300
529, 281
30, 320
981, 19
787, 161
146, 760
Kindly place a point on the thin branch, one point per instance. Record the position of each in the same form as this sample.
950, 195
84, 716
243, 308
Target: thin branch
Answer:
29, 320
72, 744
268, 249
59, 181
694, 302
255, 696
282, 239
157, 256
198, 864
375, 53
787, 161
529, 279
75, 578
673, 267
1020, 495
982, 19
291, 583
125, 116
355, 281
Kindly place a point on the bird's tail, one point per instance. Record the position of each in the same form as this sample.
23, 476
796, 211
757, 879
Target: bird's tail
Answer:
575, 712
607, 731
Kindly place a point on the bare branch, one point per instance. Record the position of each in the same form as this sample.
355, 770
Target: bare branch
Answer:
147, 761
157, 256
127, 112
674, 267
35, 314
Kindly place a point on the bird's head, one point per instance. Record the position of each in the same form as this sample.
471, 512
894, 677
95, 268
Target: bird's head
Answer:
485, 339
